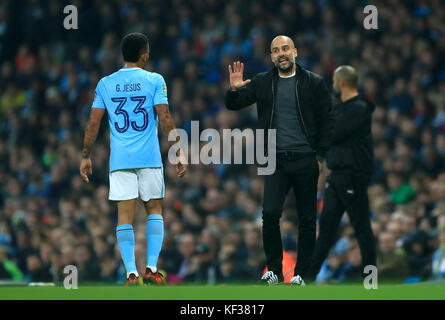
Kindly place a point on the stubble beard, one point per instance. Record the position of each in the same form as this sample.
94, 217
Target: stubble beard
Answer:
285, 70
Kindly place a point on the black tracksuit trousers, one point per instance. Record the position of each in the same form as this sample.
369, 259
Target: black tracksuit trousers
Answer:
345, 192
299, 171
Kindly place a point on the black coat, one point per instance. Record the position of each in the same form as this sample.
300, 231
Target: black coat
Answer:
313, 104
352, 148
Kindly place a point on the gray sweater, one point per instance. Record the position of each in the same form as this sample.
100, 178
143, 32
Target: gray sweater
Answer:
290, 135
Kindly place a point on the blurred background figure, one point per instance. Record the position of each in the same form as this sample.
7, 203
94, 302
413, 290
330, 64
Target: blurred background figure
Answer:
37, 271
8, 269
439, 257
350, 160
187, 248
392, 262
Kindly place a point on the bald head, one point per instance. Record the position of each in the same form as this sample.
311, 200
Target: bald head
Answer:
283, 54
348, 75
278, 41
345, 83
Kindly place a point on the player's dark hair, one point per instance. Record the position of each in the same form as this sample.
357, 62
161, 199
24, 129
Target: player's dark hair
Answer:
133, 46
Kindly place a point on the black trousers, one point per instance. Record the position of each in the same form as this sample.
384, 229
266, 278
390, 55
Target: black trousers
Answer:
345, 192
300, 172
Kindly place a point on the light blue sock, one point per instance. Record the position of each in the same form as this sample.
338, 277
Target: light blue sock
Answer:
125, 239
155, 235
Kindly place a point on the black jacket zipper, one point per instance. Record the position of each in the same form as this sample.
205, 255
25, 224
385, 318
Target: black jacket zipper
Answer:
299, 110
273, 106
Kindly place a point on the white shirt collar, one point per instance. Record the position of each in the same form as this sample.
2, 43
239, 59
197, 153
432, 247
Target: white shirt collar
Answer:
287, 76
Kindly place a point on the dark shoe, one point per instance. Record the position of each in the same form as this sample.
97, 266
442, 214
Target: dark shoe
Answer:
156, 278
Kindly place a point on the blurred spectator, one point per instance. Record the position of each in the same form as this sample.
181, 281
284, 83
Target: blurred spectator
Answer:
354, 271
88, 268
255, 253
204, 267
8, 269
439, 257
37, 272
391, 261
108, 269
400, 192
335, 268
232, 268
419, 256
187, 250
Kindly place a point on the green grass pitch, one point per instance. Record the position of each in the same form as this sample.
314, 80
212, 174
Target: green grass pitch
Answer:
229, 292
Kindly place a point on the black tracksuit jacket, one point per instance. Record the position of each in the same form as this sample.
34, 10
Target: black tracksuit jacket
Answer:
352, 149
313, 105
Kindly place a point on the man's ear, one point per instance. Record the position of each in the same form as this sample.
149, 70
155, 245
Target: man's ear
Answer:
296, 52
144, 57
341, 83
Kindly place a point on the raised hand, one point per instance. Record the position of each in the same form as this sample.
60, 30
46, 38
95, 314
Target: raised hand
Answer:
236, 75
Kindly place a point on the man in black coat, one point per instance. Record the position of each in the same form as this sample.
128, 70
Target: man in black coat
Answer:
296, 103
350, 159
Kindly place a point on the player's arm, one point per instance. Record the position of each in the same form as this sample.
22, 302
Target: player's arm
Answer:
88, 141
168, 125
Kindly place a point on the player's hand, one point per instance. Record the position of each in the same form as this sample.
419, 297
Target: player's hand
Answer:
236, 75
320, 166
181, 167
86, 167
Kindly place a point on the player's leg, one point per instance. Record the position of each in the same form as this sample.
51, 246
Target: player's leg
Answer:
359, 215
125, 211
304, 184
123, 189
154, 232
330, 217
276, 187
125, 235
151, 190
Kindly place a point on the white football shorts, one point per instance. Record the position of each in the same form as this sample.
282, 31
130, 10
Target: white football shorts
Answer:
146, 183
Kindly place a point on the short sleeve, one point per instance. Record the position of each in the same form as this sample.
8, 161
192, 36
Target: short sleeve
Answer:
98, 97
160, 92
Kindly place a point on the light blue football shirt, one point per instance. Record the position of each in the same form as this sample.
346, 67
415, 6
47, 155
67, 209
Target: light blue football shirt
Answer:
129, 95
